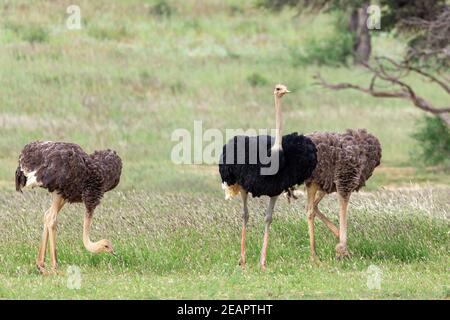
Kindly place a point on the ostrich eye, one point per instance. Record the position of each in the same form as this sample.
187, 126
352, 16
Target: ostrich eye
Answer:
278, 89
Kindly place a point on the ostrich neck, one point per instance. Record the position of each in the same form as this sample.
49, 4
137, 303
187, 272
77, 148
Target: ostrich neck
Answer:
89, 245
278, 124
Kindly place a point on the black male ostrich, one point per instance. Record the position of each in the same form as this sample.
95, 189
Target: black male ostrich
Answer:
345, 162
242, 167
71, 175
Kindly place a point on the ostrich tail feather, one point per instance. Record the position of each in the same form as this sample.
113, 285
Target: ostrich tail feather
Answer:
231, 191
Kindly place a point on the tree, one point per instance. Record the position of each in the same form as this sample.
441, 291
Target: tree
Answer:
428, 55
392, 13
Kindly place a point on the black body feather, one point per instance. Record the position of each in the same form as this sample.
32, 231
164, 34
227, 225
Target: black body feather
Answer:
297, 160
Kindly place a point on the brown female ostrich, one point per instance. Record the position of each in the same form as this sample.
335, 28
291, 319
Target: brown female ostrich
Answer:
345, 162
71, 175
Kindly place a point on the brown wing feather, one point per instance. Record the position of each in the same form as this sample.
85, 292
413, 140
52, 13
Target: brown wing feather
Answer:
345, 160
59, 166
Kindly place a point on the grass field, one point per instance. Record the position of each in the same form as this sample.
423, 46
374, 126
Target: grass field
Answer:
183, 246
127, 79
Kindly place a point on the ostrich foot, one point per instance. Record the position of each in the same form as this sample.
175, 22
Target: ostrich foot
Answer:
314, 259
342, 251
242, 262
40, 268
56, 272
263, 267
42, 271
54, 269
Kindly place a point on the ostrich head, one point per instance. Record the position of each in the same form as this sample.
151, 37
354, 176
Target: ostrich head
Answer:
280, 90
103, 246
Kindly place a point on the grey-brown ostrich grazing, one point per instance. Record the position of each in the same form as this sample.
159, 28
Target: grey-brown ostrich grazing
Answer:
345, 162
241, 168
71, 175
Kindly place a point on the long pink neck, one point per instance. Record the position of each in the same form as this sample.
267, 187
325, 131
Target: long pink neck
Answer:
278, 124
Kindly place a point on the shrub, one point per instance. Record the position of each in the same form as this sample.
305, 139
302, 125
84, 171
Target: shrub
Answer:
276, 5
177, 87
35, 34
31, 33
332, 50
256, 80
433, 137
162, 9
235, 9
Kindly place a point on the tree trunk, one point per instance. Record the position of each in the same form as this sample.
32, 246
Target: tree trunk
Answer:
358, 26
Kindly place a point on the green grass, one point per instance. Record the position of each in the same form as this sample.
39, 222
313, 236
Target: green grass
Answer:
131, 76
179, 246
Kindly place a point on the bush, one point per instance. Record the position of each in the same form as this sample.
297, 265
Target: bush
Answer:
433, 137
332, 50
162, 9
256, 80
35, 34
276, 5
31, 33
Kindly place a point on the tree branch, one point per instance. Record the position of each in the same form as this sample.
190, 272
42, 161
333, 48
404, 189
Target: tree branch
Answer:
406, 92
341, 86
409, 67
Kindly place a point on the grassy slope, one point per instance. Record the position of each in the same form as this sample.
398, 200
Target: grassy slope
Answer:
126, 81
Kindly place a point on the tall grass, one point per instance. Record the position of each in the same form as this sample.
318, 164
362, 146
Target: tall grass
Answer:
167, 233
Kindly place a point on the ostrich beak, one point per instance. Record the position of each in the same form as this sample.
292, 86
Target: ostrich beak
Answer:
287, 91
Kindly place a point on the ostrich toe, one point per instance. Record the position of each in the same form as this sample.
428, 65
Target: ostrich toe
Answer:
342, 251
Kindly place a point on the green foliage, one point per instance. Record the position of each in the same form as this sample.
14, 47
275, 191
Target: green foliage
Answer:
178, 87
31, 33
433, 138
256, 80
235, 9
162, 9
313, 5
277, 5
333, 50
36, 34
395, 12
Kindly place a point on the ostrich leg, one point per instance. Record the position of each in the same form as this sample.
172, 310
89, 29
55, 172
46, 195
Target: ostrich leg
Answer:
244, 226
268, 221
51, 222
328, 223
41, 255
311, 191
341, 247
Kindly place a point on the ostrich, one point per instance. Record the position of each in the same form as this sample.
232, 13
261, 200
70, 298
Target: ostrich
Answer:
71, 175
345, 162
294, 159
